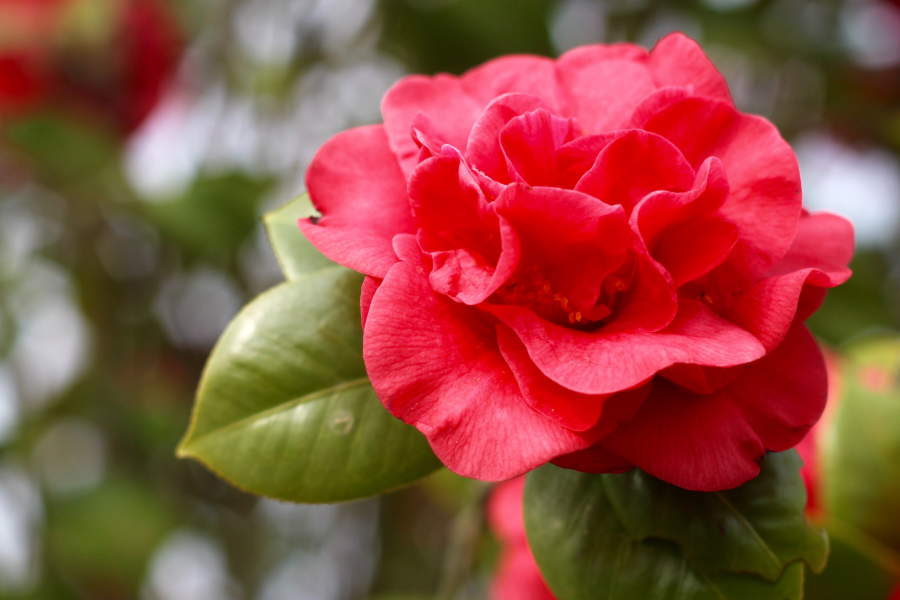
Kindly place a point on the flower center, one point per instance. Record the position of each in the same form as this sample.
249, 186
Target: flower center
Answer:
533, 290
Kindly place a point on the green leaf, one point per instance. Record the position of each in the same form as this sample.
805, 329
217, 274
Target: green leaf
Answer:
861, 454
585, 551
214, 217
758, 528
295, 254
285, 409
859, 567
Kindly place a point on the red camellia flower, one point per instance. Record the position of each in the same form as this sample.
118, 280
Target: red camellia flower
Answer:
596, 261
112, 57
518, 576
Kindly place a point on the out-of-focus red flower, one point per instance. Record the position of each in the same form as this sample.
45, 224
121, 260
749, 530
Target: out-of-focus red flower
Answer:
809, 447
895, 595
112, 58
596, 261
517, 576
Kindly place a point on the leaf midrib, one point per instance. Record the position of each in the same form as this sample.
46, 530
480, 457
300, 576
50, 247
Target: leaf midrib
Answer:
284, 406
749, 526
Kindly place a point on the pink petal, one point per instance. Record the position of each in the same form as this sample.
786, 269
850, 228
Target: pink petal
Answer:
578, 412
577, 157
606, 84
650, 303
569, 238
518, 74
634, 165
504, 511
598, 363
435, 364
824, 241
655, 102
783, 395
355, 183
710, 442
467, 277
820, 253
678, 60
446, 103
453, 104
518, 577
764, 201
369, 285
483, 151
661, 210
530, 142
693, 248
473, 252
703, 380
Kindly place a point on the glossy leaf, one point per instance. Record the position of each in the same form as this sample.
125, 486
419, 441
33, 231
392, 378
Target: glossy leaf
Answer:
295, 254
285, 409
759, 527
586, 552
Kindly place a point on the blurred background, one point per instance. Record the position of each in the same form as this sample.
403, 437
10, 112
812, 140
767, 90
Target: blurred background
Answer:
141, 140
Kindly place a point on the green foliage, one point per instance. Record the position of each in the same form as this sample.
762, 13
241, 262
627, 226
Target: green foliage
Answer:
627, 536
860, 304
214, 216
861, 456
285, 409
107, 536
759, 527
434, 35
295, 254
65, 151
859, 567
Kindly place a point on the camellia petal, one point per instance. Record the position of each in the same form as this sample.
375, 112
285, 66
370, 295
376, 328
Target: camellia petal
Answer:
530, 142
443, 98
566, 253
356, 184
517, 576
578, 412
601, 108
763, 176
597, 363
692, 249
657, 101
473, 251
483, 150
677, 60
819, 255
454, 104
370, 284
435, 364
634, 165
715, 441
